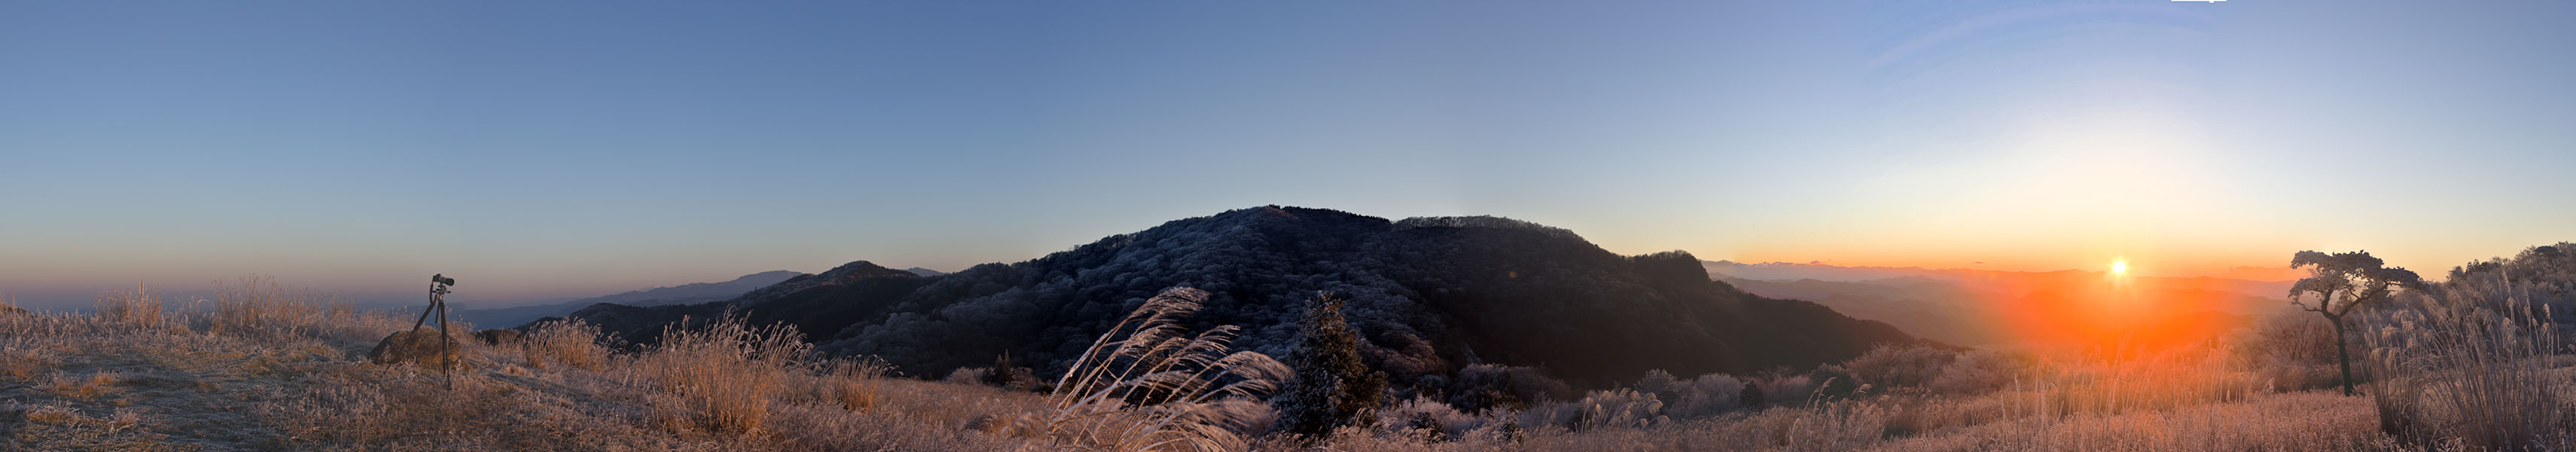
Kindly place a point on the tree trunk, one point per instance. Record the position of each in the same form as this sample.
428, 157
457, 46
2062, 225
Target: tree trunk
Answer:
2343, 355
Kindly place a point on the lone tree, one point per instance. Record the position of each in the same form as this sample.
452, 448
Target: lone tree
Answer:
1332, 387
2340, 282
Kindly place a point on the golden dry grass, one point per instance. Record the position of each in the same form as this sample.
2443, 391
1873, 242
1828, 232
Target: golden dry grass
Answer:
1152, 384
275, 369
267, 368
570, 343
2476, 364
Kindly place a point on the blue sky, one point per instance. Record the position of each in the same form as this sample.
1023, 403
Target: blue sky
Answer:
575, 148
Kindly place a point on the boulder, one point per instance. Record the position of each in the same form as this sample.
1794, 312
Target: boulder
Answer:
418, 347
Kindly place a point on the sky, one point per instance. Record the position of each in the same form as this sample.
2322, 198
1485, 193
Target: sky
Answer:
547, 150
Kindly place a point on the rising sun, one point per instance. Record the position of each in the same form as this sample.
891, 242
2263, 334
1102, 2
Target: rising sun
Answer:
2119, 267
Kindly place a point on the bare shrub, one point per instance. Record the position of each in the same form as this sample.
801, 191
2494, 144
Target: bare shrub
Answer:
1426, 419
1912, 366
1600, 409
570, 342
2290, 352
1484, 386
23, 363
1017, 379
1834, 382
1708, 395
1009, 376
260, 308
1148, 384
1981, 371
141, 307
847, 383
1656, 381
1787, 390
724, 376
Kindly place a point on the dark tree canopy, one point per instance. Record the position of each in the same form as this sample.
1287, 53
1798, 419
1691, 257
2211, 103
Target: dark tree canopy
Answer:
2341, 282
2345, 280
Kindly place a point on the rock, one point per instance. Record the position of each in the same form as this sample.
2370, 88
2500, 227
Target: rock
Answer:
499, 337
418, 347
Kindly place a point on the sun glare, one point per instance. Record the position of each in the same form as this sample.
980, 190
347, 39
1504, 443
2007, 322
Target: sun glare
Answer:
2119, 267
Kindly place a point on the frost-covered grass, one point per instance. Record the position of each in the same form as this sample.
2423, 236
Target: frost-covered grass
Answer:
265, 368
2476, 363
274, 369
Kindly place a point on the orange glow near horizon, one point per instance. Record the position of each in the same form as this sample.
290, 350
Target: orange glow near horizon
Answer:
2133, 263
2119, 307
2112, 301
2113, 314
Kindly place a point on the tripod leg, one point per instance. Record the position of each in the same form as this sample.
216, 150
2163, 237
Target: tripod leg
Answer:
424, 312
447, 359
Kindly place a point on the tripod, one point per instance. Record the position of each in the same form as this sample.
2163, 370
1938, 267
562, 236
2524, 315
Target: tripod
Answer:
438, 284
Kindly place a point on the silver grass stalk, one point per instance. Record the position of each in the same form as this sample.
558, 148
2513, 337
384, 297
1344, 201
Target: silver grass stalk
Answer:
1203, 394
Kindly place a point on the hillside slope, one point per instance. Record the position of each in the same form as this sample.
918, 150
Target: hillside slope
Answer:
1428, 295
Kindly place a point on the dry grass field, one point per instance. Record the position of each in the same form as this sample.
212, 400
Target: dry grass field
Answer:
267, 368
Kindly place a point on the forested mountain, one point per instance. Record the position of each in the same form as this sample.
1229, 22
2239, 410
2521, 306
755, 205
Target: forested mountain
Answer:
1428, 296
2543, 276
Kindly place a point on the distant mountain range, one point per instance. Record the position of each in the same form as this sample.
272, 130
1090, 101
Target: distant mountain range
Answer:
691, 293
1428, 296
1991, 307
2252, 280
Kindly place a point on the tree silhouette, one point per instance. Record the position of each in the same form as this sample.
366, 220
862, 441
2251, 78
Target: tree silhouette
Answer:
2342, 281
1332, 387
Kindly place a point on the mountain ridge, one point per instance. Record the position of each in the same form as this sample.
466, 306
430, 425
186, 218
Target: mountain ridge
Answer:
1428, 296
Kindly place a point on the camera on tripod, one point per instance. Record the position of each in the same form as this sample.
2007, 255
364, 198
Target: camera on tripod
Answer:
438, 303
